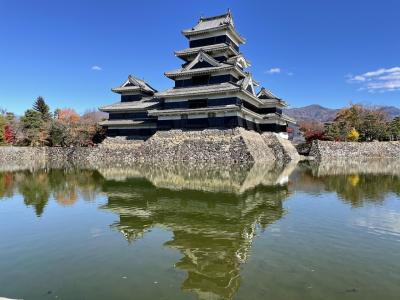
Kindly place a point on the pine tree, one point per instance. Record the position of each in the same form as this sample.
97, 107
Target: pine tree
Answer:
32, 123
41, 107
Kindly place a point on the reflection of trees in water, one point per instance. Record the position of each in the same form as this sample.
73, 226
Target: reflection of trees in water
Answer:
363, 188
6, 184
356, 185
213, 214
37, 187
213, 231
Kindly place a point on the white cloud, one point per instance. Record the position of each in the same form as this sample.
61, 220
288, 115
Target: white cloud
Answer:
274, 71
97, 68
381, 80
277, 70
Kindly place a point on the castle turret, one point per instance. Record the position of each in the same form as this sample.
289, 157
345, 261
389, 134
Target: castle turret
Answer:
129, 116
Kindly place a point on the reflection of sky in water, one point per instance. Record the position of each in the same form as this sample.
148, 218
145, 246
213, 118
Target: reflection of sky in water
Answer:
380, 220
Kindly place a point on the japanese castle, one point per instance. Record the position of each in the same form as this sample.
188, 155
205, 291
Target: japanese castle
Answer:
212, 90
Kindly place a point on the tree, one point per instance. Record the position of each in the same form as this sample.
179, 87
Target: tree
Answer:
350, 116
56, 113
57, 134
2, 127
8, 134
41, 107
68, 116
394, 129
32, 124
373, 126
353, 135
369, 123
312, 130
336, 131
99, 135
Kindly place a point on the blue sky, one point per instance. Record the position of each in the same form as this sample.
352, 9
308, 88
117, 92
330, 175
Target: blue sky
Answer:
312, 51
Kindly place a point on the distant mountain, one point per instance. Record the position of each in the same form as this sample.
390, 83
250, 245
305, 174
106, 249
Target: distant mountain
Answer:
322, 114
312, 112
391, 111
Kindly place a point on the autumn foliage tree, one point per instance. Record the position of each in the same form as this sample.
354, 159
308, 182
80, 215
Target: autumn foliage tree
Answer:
68, 116
354, 123
8, 134
2, 126
39, 127
6, 128
353, 135
312, 130
70, 129
370, 124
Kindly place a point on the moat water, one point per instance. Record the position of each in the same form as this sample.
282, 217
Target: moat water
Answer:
299, 232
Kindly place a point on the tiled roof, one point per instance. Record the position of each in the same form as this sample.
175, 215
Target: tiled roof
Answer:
120, 122
230, 107
246, 81
207, 49
267, 96
130, 106
207, 24
199, 90
206, 70
237, 59
266, 93
134, 84
202, 56
215, 21
288, 119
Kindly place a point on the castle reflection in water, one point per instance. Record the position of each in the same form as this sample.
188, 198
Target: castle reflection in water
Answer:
214, 214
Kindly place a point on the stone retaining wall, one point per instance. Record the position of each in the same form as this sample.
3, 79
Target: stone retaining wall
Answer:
211, 146
283, 149
324, 150
16, 158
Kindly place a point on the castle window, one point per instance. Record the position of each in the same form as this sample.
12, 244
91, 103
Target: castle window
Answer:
198, 103
200, 80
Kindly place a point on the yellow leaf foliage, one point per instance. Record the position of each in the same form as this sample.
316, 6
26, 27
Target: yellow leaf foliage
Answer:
353, 135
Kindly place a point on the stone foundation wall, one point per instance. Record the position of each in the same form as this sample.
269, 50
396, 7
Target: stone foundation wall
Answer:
323, 150
16, 158
256, 146
283, 149
211, 146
